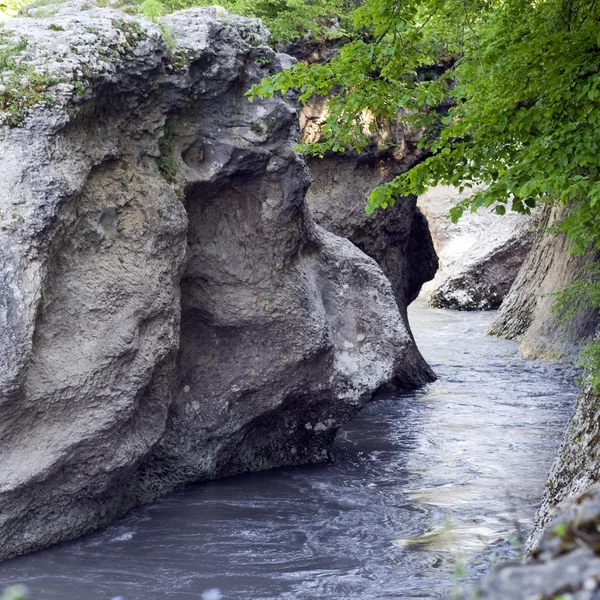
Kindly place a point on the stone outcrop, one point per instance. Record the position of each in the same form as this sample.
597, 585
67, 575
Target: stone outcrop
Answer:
577, 465
480, 256
565, 566
169, 312
397, 238
526, 313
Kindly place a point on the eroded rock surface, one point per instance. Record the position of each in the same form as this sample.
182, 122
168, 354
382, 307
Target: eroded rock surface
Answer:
480, 256
398, 238
526, 313
577, 465
168, 310
565, 566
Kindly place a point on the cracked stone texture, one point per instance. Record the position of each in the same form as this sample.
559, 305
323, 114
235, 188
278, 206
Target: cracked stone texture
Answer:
480, 256
158, 332
576, 467
526, 313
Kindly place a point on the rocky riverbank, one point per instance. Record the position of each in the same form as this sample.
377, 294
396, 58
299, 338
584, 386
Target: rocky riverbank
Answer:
169, 310
565, 564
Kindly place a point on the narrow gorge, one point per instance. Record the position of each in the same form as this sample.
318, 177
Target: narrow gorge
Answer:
184, 298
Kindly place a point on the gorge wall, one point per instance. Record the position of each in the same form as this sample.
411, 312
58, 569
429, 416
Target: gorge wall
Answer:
398, 238
169, 311
526, 313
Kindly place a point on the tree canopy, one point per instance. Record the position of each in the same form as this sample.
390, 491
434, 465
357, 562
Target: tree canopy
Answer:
523, 82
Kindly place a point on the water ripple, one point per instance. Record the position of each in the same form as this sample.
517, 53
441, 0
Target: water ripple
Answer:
424, 483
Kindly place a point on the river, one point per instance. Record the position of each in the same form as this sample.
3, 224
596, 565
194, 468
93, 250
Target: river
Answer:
428, 489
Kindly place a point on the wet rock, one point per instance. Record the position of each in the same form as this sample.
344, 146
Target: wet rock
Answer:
576, 467
526, 313
168, 310
565, 566
480, 256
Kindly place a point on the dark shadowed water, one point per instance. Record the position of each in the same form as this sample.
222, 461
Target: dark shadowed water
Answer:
426, 486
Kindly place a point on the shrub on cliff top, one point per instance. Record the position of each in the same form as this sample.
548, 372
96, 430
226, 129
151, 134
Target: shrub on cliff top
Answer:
9, 8
287, 20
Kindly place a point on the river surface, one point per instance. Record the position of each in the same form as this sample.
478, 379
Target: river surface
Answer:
428, 488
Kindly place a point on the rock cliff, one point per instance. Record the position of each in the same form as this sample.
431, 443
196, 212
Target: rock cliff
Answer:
397, 238
576, 468
526, 313
169, 312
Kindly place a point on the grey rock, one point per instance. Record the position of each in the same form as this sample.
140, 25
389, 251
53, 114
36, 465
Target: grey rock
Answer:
480, 256
168, 310
397, 238
565, 565
526, 313
576, 468
575, 574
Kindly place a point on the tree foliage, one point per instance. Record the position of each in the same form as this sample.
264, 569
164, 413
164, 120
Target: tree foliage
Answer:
523, 81
9, 8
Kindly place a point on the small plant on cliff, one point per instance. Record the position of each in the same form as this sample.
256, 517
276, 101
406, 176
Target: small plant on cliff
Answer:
583, 294
20, 85
152, 8
166, 163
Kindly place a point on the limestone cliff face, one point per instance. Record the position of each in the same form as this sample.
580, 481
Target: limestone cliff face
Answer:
526, 315
169, 312
577, 465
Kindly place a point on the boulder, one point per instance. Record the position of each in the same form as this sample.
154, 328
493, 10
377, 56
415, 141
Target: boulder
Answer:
169, 312
480, 256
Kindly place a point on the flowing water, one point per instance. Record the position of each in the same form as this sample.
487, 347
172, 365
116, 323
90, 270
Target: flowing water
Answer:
428, 488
